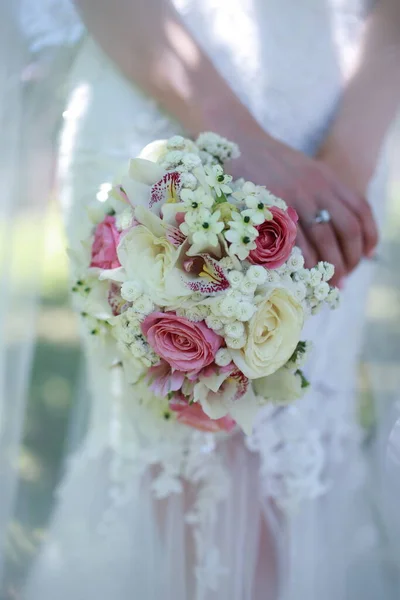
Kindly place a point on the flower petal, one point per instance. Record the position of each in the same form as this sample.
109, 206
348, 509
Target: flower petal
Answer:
145, 171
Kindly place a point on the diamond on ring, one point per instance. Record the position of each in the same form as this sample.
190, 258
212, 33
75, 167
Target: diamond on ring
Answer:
322, 216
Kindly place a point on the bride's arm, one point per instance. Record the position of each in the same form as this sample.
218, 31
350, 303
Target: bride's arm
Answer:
148, 42
370, 102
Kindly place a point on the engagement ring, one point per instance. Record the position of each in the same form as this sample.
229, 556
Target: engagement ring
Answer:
322, 216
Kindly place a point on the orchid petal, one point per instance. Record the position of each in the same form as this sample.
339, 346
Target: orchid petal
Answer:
145, 171
117, 274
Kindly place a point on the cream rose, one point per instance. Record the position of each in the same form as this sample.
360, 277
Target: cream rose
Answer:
148, 259
272, 336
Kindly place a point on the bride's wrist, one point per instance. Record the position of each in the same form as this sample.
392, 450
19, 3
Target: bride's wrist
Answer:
227, 116
351, 165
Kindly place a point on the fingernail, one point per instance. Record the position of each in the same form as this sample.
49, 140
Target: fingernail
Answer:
371, 253
341, 283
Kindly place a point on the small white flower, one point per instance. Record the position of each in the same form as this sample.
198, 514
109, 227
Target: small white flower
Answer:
248, 287
300, 291
243, 225
245, 311
254, 195
207, 159
235, 278
326, 269
138, 348
217, 180
321, 291
191, 160
235, 329
223, 357
122, 347
227, 263
203, 227
315, 277
125, 334
131, 290
195, 201
257, 207
228, 307
172, 159
130, 318
214, 323
235, 294
241, 237
189, 181
295, 262
235, 343
194, 313
208, 229
272, 276
304, 275
176, 142
334, 297
257, 274
256, 217
216, 306
218, 146
143, 305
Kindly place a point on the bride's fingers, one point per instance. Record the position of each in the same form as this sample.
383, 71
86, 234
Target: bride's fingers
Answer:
310, 256
322, 237
362, 210
348, 232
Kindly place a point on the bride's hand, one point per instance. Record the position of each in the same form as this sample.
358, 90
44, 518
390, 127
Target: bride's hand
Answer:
310, 185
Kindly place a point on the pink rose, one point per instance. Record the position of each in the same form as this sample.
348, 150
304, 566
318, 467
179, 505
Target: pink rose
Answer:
186, 346
276, 239
194, 416
104, 249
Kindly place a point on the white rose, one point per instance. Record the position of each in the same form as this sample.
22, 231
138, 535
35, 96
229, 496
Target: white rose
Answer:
155, 151
272, 336
282, 386
148, 260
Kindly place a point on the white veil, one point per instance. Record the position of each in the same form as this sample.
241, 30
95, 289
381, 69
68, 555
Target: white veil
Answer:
34, 55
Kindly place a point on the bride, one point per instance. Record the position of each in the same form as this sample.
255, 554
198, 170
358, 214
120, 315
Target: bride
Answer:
308, 90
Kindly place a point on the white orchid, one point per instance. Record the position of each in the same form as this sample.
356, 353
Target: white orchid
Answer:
228, 394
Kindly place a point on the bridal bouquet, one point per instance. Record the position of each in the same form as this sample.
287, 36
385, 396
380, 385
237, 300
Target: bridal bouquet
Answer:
196, 284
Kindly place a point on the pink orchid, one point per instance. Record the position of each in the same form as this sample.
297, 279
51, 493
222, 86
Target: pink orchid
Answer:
164, 380
194, 416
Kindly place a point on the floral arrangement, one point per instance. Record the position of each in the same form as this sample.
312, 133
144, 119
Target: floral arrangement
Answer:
196, 284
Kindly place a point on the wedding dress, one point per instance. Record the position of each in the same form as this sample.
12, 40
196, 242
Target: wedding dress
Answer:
278, 515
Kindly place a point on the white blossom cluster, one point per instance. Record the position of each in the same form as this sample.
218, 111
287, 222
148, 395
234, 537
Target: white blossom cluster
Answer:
130, 339
217, 147
178, 237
